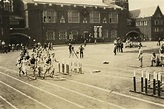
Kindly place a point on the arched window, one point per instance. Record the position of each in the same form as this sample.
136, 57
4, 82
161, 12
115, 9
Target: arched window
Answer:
62, 20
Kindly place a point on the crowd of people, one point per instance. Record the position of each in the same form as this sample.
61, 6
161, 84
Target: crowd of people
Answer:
118, 46
5, 48
39, 60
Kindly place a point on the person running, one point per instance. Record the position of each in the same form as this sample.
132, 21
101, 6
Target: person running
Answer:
24, 64
33, 65
54, 61
19, 65
81, 51
47, 65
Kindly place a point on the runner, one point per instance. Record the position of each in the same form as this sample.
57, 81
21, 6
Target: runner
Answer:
33, 65
47, 65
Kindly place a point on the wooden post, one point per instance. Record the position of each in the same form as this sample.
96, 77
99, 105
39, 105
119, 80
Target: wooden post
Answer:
159, 84
154, 85
146, 84
134, 81
142, 81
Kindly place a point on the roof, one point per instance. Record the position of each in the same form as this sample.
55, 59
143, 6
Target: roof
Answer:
145, 12
75, 2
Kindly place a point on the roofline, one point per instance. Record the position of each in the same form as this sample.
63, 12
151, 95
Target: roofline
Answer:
71, 4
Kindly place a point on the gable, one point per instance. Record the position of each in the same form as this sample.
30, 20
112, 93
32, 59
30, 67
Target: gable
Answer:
158, 13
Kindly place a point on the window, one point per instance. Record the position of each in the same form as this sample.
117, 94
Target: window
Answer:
114, 34
26, 18
137, 23
73, 17
85, 20
94, 17
156, 29
105, 33
50, 35
141, 23
145, 23
74, 32
63, 35
62, 20
49, 16
158, 22
113, 18
8, 5
14, 22
105, 20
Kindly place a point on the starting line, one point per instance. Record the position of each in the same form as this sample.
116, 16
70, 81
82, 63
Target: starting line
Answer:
8, 103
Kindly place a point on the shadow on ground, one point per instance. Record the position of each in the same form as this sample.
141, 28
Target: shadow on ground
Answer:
156, 50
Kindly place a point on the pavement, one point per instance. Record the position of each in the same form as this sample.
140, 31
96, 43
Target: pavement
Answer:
101, 86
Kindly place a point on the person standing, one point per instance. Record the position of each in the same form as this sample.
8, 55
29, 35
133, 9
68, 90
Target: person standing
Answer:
70, 49
159, 42
81, 51
140, 58
115, 49
85, 43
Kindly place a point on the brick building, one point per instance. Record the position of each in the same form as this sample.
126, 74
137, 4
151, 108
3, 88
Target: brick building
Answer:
4, 20
147, 23
59, 21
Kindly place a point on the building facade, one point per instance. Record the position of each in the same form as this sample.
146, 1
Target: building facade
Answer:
60, 22
5, 10
149, 23
29, 21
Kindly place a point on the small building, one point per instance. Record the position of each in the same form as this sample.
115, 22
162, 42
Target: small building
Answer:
148, 23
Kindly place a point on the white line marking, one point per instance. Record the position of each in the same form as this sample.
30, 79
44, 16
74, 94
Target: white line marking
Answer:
25, 95
44, 91
79, 93
84, 95
109, 91
8, 103
117, 93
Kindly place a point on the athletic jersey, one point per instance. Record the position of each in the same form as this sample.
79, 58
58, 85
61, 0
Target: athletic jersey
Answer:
48, 61
33, 60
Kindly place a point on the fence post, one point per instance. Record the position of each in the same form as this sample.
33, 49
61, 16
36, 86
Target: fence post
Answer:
159, 84
146, 84
134, 81
154, 83
142, 81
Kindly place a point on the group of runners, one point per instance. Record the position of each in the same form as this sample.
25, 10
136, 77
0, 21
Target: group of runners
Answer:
39, 60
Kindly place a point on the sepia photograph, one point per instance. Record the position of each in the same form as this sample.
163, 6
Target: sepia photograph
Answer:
81, 54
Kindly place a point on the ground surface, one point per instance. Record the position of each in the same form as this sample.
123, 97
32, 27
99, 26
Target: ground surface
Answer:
107, 89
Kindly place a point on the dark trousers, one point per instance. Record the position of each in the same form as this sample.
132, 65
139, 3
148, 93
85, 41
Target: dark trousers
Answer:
81, 54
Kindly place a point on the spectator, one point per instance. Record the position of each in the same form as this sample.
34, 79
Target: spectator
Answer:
153, 59
140, 58
81, 51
